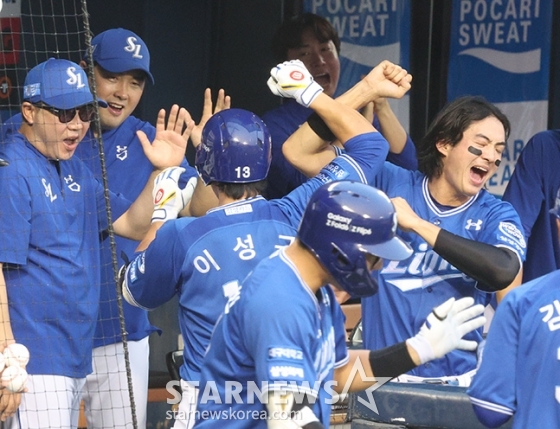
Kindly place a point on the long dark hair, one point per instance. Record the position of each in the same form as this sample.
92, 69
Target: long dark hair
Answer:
449, 126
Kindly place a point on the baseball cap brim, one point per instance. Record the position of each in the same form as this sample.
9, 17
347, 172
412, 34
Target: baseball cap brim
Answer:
118, 65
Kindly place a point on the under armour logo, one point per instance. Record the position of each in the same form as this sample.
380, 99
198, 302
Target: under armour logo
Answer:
73, 186
48, 190
477, 225
122, 152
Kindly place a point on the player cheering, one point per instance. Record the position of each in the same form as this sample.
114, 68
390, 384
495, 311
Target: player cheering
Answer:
284, 333
204, 260
466, 242
52, 216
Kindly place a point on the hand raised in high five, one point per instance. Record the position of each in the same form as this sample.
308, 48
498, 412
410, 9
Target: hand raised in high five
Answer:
170, 143
223, 102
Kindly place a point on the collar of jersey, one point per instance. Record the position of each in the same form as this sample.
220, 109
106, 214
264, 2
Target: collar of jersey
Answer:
441, 213
237, 203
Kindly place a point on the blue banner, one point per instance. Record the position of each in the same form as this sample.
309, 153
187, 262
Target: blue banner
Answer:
500, 49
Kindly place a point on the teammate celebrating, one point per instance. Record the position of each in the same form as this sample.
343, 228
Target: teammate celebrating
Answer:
465, 241
312, 39
120, 66
204, 260
284, 331
52, 216
518, 374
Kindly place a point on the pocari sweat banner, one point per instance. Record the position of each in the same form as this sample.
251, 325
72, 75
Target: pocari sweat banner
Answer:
500, 49
370, 31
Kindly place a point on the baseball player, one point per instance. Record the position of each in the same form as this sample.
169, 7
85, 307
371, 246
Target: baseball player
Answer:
203, 260
531, 191
313, 40
518, 373
121, 69
52, 214
284, 332
466, 242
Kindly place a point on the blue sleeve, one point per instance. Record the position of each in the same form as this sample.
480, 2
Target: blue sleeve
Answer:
529, 174
15, 227
405, 159
503, 229
153, 275
492, 391
363, 157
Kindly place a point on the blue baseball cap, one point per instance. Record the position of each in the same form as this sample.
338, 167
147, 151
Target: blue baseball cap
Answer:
118, 50
58, 83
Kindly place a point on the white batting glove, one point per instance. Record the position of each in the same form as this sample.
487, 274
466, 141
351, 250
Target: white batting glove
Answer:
445, 328
291, 79
169, 199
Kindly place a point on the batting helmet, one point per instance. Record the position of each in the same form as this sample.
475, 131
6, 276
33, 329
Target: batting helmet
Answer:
343, 222
235, 148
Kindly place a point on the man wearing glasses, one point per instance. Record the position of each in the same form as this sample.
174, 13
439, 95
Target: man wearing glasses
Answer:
52, 213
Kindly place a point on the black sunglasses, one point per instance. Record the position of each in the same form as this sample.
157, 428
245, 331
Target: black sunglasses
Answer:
86, 112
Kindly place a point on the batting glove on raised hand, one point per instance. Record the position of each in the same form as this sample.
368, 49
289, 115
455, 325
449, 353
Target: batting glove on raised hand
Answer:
445, 328
292, 80
169, 199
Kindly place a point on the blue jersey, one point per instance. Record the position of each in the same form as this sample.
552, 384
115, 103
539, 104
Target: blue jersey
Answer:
275, 335
532, 191
519, 374
282, 122
204, 259
128, 170
409, 289
52, 213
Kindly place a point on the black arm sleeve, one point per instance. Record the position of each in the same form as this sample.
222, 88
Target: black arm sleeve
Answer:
493, 267
391, 361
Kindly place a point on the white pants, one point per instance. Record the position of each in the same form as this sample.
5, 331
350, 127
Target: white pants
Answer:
106, 395
52, 401
185, 415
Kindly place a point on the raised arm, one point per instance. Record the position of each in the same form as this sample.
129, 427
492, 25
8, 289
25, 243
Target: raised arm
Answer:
204, 198
291, 79
385, 80
167, 150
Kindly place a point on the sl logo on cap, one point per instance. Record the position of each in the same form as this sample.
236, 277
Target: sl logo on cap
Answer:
133, 47
73, 78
